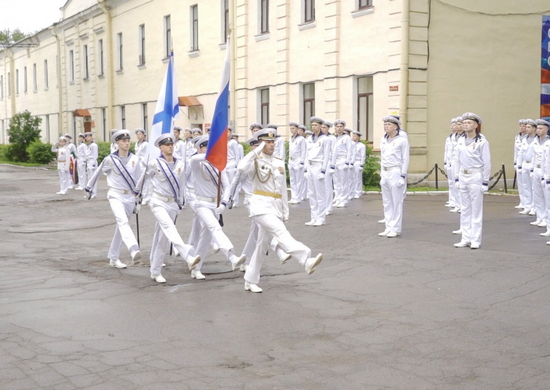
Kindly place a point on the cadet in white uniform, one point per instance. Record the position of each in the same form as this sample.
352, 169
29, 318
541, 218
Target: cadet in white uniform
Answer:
472, 172
544, 126
141, 145
518, 139
72, 159
329, 177
92, 154
205, 178
166, 176
350, 170
359, 160
280, 149
63, 161
525, 165
447, 157
179, 146
538, 181
316, 166
123, 170
269, 208
339, 163
297, 153
394, 161
81, 162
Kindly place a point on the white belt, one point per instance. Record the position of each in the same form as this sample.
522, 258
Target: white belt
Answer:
538, 166
125, 192
163, 198
470, 171
527, 162
395, 167
205, 198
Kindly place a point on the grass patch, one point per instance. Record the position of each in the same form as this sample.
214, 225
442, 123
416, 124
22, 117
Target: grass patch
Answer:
21, 164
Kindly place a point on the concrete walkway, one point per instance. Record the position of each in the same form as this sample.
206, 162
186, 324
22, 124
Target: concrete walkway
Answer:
405, 313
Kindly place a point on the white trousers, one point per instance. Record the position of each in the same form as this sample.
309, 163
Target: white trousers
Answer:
210, 231
329, 191
271, 226
231, 170
82, 177
351, 182
521, 188
297, 183
316, 192
392, 200
122, 207
539, 203
358, 181
341, 182
91, 169
165, 233
454, 196
471, 216
527, 188
63, 179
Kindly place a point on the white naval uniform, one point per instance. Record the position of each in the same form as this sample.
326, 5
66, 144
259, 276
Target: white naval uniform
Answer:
525, 166
472, 170
205, 177
351, 173
233, 158
141, 150
269, 209
341, 157
122, 175
165, 206
358, 164
546, 182
537, 177
329, 176
63, 163
81, 164
280, 148
394, 162
447, 163
519, 177
316, 165
457, 139
91, 163
180, 150
297, 154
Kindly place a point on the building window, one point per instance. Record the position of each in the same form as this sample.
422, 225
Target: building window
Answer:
25, 79
308, 102
122, 117
362, 4
167, 36
141, 45
194, 13
16, 82
264, 106
34, 81
9, 83
145, 116
119, 51
365, 107
309, 11
85, 59
1, 87
46, 82
100, 54
71, 66
264, 16
104, 123
225, 32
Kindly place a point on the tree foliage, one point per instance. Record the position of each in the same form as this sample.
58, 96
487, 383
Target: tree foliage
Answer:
9, 37
24, 129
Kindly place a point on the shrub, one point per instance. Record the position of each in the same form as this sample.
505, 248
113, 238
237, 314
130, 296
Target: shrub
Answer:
103, 150
40, 153
371, 170
3, 151
24, 129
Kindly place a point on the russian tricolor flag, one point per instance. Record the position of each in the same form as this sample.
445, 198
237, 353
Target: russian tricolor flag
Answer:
167, 109
216, 152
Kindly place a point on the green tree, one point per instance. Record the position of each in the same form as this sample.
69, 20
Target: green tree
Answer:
9, 37
24, 129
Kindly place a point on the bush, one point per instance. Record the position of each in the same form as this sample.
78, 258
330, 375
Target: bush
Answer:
371, 170
40, 153
103, 150
3, 151
17, 153
24, 129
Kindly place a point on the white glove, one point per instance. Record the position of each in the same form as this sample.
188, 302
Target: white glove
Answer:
331, 171
220, 209
484, 188
349, 166
137, 207
321, 176
457, 185
301, 166
531, 174
400, 182
259, 148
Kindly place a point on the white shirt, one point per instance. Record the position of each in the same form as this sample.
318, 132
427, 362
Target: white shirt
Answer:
205, 178
341, 149
395, 153
297, 150
474, 154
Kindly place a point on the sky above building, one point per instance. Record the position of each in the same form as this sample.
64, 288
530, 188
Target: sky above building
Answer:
29, 15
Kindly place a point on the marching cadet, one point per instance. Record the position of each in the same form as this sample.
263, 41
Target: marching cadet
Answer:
63, 162
394, 161
525, 165
472, 172
316, 167
81, 162
166, 176
92, 154
360, 158
269, 209
141, 145
517, 147
179, 146
537, 175
233, 158
339, 163
297, 153
123, 169
205, 177
329, 177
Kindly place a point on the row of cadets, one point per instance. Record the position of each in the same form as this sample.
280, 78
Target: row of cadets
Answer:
269, 209
63, 161
297, 154
394, 165
524, 163
518, 140
122, 168
471, 172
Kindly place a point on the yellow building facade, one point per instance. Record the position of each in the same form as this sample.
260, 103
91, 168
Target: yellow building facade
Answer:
101, 67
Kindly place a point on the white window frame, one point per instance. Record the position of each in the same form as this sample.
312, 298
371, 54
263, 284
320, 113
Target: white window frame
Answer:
194, 33
167, 36
101, 68
85, 62
34, 80
71, 66
120, 51
141, 58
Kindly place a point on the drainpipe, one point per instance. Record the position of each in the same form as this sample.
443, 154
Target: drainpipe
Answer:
404, 94
110, 66
60, 121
